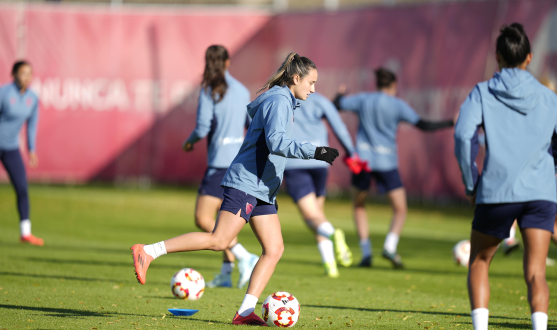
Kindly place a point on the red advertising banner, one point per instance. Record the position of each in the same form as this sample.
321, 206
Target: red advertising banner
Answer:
119, 88
105, 77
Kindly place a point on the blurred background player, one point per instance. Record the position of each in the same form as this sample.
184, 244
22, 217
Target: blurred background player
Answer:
18, 104
306, 180
379, 115
518, 116
221, 115
252, 182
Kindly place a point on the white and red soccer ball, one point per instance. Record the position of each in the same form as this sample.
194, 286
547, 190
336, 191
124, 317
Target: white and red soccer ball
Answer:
187, 284
461, 253
281, 309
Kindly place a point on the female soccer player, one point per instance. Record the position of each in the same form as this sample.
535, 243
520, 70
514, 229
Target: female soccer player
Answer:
518, 116
221, 114
18, 104
380, 114
252, 182
306, 179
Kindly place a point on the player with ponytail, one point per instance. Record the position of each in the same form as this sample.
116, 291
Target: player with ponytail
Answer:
253, 180
517, 114
221, 116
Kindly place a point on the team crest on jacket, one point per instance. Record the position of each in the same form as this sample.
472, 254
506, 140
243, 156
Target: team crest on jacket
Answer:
249, 208
28, 101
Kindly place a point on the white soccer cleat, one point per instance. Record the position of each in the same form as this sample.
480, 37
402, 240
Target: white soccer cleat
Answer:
245, 266
220, 281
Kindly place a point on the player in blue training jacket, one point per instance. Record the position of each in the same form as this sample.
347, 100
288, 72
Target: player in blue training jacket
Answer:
221, 116
379, 114
252, 182
518, 116
19, 105
306, 179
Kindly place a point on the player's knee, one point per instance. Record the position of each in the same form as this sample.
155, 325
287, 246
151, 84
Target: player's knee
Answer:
400, 210
276, 252
199, 221
535, 277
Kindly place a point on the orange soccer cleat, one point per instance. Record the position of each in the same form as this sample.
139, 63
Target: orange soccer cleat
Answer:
141, 261
251, 319
32, 239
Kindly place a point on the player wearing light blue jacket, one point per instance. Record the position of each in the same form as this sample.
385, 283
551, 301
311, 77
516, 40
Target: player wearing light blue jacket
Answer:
252, 181
222, 121
518, 115
221, 117
512, 100
19, 105
379, 115
306, 179
258, 168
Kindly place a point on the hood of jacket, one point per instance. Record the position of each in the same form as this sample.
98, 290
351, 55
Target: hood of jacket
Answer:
515, 88
276, 90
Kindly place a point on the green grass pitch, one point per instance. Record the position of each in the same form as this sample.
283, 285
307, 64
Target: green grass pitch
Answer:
83, 277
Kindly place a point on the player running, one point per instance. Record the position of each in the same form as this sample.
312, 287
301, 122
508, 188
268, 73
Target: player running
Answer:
379, 115
221, 115
306, 179
518, 116
18, 104
252, 182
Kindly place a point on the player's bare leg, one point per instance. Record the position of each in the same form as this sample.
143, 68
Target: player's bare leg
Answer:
206, 209
311, 208
397, 197
227, 228
482, 250
536, 246
268, 232
362, 227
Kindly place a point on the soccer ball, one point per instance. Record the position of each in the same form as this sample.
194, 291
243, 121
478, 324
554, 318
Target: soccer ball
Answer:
187, 284
281, 310
461, 253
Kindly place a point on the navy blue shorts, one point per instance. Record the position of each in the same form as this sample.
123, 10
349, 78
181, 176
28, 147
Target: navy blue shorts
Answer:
497, 219
211, 182
302, 182
236, 200
385, 181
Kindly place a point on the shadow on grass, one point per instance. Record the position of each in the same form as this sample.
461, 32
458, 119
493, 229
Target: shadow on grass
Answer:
64, 312
108, 263
74, 278
208, 321
406, 311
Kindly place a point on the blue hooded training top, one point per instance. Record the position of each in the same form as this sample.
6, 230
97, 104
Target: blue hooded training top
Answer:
16, 109
519, 117
309, 127
379, 116
259, 166
222, 122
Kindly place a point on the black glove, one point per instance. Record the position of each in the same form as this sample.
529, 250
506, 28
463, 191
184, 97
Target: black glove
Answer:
326, 154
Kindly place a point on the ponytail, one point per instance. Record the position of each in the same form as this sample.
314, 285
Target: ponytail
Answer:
513, 44
213, 76
292, 65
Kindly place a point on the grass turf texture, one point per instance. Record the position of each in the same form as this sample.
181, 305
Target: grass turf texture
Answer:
83, 277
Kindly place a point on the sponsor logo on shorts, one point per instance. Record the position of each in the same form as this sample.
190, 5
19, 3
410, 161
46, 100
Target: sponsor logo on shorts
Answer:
249, 208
